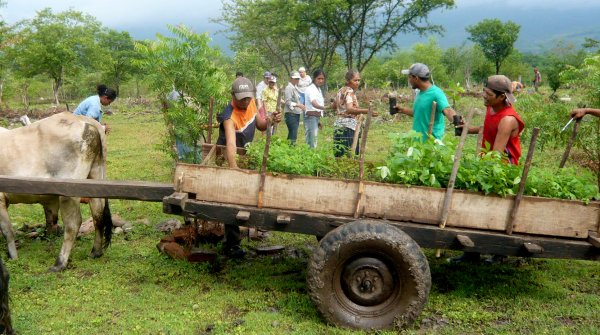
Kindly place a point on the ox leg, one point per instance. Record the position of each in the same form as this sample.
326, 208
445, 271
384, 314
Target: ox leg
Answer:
71, 217
51, 213
96, 207
6, 227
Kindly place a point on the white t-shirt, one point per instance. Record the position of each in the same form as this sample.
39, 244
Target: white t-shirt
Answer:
313, 93
259, 88
304, 83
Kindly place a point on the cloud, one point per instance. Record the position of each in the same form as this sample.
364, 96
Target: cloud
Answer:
534, 4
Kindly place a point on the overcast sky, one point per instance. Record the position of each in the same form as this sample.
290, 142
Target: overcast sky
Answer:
144, 18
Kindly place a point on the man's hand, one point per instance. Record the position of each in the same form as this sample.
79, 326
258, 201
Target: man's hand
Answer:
578, 113
301, 106
276, 117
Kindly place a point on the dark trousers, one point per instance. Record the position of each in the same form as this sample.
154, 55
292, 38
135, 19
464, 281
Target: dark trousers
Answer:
293, 123
342, 141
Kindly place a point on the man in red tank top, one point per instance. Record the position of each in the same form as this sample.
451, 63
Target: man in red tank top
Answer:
502, 129
502, 126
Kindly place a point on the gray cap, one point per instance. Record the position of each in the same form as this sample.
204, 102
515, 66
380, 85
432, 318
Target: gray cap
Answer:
418, 69
295, 75
242, 88
502, 84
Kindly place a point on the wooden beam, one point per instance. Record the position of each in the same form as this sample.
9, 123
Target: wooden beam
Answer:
427, 236
91, 188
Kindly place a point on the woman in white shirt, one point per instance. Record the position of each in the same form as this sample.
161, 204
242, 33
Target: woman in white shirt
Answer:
315, 104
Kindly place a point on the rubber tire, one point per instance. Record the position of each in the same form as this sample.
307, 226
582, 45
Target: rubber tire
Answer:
369, 239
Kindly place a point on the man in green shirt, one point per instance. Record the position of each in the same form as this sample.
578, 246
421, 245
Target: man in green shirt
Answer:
419, 77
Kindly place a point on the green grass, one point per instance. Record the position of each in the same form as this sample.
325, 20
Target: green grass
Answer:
134, 289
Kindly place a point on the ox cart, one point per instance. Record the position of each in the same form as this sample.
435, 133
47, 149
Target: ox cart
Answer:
368, 271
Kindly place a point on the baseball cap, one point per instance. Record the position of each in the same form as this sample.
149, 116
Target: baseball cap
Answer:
295, 75
302, 69
242, 88
267, 74
272, 79
502, 84
418, 69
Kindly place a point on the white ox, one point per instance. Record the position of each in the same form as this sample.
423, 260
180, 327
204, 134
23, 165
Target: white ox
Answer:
61, 146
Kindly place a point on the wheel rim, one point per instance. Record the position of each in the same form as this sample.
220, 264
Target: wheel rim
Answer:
368, 281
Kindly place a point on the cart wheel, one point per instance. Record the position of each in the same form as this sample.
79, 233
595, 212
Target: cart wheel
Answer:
369, 275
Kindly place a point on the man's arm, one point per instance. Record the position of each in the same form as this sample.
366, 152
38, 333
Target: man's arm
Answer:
506, 128
449, 112
581, 112
230, 143
404, 110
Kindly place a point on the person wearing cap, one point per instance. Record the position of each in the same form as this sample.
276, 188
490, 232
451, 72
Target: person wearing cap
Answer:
502, 129
419, 77
502, 126
315, 104
305, 81
238, 123
292, 107
347, 110
261, 86
269, 95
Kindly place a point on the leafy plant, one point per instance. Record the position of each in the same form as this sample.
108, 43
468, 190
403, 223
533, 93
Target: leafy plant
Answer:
429, 163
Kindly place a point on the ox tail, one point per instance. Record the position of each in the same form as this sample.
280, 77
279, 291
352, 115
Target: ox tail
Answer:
5, 318
107, 224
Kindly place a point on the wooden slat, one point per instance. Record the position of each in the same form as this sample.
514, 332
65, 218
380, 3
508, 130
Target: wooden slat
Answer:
533, 248
541, 216
427, 236
91, 188
465, 241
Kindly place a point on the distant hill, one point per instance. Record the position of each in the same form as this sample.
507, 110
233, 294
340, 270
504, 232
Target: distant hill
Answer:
540, 28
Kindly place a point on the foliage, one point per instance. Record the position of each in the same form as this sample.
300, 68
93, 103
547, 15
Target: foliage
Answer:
187, 64
496, 39
587, 78
364, 28
429, 163
282, 40
119, 55
55, 45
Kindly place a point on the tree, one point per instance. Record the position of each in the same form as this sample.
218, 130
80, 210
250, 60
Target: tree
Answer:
362, 28
55, 45
186, 63
120, 54
495, 38
280, 38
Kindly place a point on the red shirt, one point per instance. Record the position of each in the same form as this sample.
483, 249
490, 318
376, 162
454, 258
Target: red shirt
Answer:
490, 130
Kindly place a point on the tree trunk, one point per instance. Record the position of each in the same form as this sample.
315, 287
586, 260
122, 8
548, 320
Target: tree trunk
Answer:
55, 88
497, 67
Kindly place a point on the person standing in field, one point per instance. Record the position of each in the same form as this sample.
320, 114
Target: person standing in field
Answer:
305, 81
315, 104
92, 106
269, 95
293, 108
260, 87
419, 78
238, 123
347, 111
502, 129
537, 78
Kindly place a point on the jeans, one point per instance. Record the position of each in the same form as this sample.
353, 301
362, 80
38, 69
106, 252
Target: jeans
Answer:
342, 141
311, 130
293, 123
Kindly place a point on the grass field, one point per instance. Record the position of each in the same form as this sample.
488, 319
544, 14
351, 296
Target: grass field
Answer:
133, 289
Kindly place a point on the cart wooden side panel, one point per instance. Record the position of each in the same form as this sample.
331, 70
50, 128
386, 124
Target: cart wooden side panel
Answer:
537, 216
